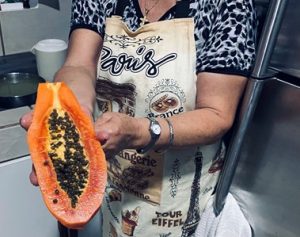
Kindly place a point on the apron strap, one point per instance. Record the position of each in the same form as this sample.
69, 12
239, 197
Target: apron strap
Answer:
121, 4
182, 9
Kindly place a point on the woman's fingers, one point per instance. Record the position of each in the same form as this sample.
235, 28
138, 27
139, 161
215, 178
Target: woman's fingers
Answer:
33, 177
25, 120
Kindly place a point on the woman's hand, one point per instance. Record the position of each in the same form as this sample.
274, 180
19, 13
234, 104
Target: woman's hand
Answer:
117, 131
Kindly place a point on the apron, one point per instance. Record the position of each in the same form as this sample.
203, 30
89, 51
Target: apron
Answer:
152, 72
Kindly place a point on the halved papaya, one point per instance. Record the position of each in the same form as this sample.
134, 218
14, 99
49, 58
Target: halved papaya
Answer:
70, 163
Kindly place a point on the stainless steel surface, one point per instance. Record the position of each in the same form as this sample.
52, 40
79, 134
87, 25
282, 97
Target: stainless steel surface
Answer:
263, 159
286, 55
266, 183
251, 96
268, 37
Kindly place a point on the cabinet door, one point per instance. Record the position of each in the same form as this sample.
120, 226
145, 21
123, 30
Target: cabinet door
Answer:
22, 210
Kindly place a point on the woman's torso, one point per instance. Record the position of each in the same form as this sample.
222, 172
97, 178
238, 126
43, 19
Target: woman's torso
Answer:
174, 187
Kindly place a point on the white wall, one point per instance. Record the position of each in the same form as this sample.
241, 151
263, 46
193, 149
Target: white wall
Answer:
22, 29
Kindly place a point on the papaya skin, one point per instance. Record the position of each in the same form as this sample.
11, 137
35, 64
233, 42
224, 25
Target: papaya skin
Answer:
57, 96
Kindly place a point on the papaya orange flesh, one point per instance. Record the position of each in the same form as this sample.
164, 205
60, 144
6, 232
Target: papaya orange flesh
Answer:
70, 163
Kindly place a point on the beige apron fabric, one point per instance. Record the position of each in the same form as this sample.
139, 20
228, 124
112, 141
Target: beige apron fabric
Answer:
151, 72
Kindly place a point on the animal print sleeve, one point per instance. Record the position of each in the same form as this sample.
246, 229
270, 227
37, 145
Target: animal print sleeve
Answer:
228, 37
91, 14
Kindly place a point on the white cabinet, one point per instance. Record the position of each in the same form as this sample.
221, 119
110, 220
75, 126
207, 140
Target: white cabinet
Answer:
22, 210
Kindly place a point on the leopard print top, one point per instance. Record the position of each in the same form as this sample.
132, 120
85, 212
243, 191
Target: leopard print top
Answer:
225, 30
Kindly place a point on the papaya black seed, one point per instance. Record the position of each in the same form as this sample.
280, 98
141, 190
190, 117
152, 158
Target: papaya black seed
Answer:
84, 162
46, 162
55, 201
70, 171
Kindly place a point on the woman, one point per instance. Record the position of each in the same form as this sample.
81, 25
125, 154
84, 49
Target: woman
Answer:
167, 83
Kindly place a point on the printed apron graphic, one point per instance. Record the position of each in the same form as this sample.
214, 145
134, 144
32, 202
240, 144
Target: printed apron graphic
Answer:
193, 216
137, 174
130, 221
115, 97
165, 99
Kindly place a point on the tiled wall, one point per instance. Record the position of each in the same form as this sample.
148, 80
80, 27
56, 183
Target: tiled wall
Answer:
22, 29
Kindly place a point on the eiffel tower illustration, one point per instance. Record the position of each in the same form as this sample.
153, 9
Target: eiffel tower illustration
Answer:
193, 216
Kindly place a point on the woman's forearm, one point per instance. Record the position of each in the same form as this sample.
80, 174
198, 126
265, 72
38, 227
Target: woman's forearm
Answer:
217, 101
191, 128
79, 70
81, 80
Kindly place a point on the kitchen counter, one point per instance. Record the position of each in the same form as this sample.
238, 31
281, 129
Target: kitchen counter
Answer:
12, 137
22, 62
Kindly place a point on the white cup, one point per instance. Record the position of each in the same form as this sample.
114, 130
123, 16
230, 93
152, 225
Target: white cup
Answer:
50, 55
